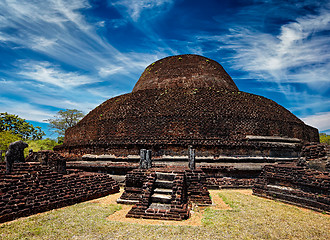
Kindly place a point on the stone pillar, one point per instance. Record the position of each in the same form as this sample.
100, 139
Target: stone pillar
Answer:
191, 153
148, 159
143, 156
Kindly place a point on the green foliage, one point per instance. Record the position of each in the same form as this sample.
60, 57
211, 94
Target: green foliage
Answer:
324, 138
38, 145
6, 138
60, 140
43, 144
65, 119
20, 127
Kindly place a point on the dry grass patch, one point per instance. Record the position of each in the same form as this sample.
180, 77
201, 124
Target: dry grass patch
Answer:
249, 217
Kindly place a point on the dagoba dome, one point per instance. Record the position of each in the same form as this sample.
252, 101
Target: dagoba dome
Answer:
185, 71
188, 100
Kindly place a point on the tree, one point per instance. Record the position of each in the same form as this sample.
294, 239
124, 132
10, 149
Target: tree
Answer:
65, 119
20, 127
324, 138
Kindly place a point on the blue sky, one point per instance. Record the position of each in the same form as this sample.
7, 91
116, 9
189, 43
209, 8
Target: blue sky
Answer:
59, 54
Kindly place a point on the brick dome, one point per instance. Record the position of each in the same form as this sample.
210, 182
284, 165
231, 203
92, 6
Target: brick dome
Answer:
180, 101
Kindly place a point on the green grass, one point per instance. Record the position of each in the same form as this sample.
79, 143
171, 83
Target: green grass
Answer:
251, 217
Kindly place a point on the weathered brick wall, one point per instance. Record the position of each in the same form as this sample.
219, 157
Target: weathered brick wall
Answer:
218, 177
32, 188
140, 209
298, 185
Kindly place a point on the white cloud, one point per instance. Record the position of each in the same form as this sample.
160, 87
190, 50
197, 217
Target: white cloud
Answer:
41, 43
100, 24
109, 70
25, 110
38, 96
321, 121
143, 15
135, 9
45, 73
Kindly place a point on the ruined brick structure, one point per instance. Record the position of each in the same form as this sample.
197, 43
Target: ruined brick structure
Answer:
32, 188
296, 185
183, 101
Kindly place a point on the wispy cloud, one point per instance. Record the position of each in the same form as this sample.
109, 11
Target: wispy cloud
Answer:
142, 15
25, 110
46, 73
134, 9
321, 121
109, 70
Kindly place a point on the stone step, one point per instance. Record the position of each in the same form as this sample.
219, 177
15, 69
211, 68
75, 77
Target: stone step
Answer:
165, 176
163, 206
163, 191
163, 184
161, 198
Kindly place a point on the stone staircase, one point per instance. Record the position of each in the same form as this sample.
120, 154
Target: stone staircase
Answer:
162, 193
165, 193
163, 197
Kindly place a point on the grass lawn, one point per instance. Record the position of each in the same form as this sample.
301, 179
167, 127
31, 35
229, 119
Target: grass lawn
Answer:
250, 217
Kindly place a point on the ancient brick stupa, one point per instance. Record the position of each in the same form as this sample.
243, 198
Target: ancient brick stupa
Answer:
189, 100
